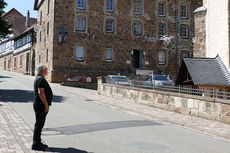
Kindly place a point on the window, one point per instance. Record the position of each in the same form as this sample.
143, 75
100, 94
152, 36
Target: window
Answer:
48, 24
47, 55
109, 55
80, 53
39, 59
40, 36
48, 9
81, 4
41, 18
9, 63
162, 29
81, 26
20, 60
15, 61
15, 45
137, 28
109, 5
162, 58
109, 26
162, 9
24, 40
184, 32
21, 42
137, 7
29, 38
184, 11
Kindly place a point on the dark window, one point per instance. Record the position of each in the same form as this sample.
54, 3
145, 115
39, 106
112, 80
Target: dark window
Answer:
162, 9
109, 26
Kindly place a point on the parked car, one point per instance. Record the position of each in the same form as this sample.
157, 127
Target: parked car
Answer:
118, 79
158, 80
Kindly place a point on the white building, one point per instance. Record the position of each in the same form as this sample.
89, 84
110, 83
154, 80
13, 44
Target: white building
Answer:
216, 20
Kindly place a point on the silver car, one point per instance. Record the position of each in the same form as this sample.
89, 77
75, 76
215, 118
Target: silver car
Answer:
158, 80
118, 79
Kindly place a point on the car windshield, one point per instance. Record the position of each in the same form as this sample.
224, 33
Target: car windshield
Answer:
120, 78
162, 78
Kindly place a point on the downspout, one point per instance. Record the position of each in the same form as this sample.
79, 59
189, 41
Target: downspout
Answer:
176, 17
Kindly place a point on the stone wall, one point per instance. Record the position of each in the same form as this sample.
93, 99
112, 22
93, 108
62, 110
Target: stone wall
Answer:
204, 107
44, 44
199, 49
6, 62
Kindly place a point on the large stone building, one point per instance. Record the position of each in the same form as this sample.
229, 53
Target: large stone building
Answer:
17, 49
212, 30
101, 37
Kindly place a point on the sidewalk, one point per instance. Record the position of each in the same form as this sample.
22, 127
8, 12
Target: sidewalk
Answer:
15, 134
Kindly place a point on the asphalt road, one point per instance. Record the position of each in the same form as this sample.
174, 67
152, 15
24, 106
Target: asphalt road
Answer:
75, 123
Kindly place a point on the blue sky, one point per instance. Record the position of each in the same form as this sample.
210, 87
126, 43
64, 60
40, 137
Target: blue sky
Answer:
22, 6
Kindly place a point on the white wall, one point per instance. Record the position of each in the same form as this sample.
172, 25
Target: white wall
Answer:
217, 29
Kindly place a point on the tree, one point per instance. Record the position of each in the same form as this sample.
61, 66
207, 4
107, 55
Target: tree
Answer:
5, 26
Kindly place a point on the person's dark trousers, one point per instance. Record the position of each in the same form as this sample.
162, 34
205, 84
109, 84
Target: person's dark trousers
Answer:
40, 116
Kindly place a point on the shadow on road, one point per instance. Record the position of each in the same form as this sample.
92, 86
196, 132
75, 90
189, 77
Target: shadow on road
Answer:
78, 129
66, 150
3, 77
22, 96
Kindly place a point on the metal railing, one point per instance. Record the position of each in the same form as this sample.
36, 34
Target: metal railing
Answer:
212, 93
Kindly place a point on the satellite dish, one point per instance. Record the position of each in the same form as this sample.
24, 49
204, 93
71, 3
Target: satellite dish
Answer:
36, 29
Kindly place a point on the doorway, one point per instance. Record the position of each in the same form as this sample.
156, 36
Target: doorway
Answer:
137, 59
27, 62
4, 63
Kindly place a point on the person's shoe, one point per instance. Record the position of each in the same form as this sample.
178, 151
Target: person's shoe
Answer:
38, 147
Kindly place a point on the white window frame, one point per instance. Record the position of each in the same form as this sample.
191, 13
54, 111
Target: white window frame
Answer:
110, 5
137, 7
81, 4
186, 36
80, 53
162, 10
109, 22
109, 55
162, 57
184, 13
81, 24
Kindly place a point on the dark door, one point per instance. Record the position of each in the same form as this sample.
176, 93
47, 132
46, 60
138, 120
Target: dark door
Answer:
33, 63
4, 64
27, 62
136, 59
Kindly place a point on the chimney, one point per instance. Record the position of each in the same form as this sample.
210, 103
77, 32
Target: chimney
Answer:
28, 19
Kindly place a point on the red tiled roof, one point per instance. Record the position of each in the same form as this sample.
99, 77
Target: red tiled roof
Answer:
18, 21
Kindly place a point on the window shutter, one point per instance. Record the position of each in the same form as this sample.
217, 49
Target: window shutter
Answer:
79, 53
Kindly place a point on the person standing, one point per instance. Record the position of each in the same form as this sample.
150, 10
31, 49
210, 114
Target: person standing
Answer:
43, 97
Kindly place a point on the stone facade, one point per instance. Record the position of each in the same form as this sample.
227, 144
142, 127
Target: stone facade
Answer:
204, 107
199, 49
130, 51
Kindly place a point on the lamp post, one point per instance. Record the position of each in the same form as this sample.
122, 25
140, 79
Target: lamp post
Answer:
176, 17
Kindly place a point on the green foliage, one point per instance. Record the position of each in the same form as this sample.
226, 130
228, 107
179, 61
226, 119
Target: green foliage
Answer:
5, 26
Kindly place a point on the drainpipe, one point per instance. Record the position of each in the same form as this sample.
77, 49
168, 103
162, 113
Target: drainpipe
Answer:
176, 17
